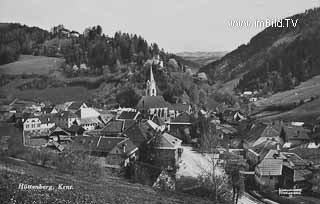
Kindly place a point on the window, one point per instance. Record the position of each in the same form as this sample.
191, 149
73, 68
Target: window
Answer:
38, 125
27, 126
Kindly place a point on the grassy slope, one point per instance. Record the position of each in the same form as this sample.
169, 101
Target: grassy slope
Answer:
306, 112
86, 189
32, 65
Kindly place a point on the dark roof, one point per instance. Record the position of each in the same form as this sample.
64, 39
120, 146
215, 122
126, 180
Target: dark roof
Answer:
97, 144
295, 160
128, 123
75, 129
296, 133
113, 127
137, 134
128, 115
168, 141
46, 118
182, 118
128, 144
147, 102
157, 120
47, 109
67, 114
75, 105
180, 107
6, 108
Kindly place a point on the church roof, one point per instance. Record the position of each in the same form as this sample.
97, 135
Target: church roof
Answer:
147, 102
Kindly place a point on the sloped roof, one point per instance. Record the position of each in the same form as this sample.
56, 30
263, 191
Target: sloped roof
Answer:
137, 134
301, 175
67, 114
180, 107
89, 121
157, 120
182, 118
147, 102
296, 133
114, 126
76, 105
75, 129
58, 130
167, 141
128, 144
128, 115
270, 167
294, 159
269, 131
46, 118
97, 144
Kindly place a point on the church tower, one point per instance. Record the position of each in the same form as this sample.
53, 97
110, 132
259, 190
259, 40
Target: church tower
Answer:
151, 89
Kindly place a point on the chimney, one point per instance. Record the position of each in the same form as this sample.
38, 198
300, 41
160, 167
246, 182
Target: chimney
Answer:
278, 149
124, 148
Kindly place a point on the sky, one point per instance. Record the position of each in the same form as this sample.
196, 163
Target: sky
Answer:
175, 25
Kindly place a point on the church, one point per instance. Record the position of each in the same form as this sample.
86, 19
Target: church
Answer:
151, 102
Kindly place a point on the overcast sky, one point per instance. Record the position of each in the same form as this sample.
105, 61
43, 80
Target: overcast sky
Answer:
176, 25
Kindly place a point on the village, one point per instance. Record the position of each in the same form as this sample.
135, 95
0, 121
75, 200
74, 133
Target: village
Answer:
176, 141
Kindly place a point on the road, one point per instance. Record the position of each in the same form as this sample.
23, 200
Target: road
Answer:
194, 163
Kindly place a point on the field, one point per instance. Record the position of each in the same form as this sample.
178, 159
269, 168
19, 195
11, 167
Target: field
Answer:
308, 111
28, 64
304, 91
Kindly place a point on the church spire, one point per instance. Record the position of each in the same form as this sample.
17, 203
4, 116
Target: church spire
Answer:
151, 85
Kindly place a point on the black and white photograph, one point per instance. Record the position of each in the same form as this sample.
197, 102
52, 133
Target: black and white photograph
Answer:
160, 102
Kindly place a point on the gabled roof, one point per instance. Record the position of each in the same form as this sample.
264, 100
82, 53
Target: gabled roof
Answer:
180, 107
46, 118
113, 127
184, 118
75, 129
58, 130
296, 132
157, 120
128, 115
167, 141
269, 131
76, 105
126, 146
270, 167
137, 134
66, 114
96, 144
294, 160
147, 102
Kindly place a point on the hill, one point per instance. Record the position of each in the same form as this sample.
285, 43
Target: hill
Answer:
84, 189
201, 58
29, 64
276, 59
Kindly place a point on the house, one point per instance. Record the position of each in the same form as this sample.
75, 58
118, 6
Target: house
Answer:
75, 106
114, 150
295, 136
89, 123
138, 134
66, 119
283, 170
151, 102
178, 108
116, 127
259, 133
268, 173
49, 110
167, 151
180, 126
75, 130
128, 115
38, 123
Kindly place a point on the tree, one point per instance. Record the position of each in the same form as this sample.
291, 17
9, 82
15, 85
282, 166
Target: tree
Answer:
127, 98
234, 165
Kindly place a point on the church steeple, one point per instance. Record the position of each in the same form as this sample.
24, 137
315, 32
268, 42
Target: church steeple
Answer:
151, 85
